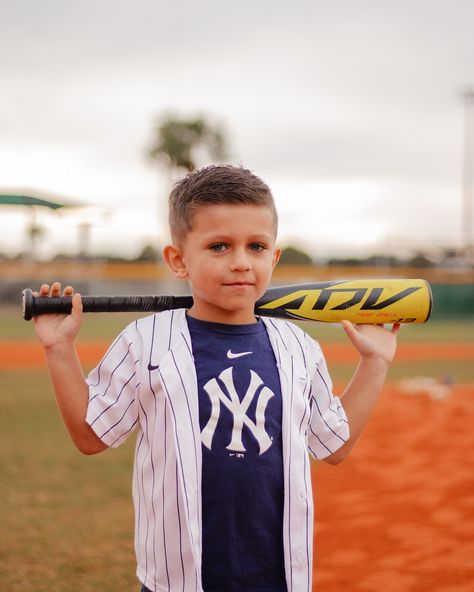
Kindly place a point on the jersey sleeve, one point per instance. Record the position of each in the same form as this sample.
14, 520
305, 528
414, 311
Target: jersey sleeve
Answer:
328, 429
112, 410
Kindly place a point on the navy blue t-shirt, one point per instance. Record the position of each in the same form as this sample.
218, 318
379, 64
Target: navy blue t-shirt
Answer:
240, 411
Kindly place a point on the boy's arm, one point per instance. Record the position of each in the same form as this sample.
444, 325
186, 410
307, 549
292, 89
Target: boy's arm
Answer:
377, 347
57, 334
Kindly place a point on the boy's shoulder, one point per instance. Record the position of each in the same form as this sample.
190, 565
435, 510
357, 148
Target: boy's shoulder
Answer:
162, 327
165, 319
291, 335
292, 342
155, 335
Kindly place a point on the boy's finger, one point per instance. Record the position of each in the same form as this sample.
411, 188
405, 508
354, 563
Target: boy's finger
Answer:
56, 288
348, 326
351, 330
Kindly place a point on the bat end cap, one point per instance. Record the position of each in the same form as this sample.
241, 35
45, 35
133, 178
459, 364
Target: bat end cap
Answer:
27, 304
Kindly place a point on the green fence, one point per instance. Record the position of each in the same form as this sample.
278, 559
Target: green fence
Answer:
452, 300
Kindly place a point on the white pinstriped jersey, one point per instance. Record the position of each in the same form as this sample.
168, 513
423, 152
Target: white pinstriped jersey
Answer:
147, 380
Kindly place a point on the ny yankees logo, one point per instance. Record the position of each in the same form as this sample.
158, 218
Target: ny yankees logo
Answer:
238, 409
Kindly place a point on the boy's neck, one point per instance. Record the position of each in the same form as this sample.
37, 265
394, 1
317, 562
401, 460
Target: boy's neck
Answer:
255, 321
227, 318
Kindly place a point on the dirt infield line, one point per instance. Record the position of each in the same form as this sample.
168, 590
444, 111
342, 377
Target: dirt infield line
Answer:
25, 354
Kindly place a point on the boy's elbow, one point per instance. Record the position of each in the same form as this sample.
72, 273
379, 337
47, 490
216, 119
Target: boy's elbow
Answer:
341, 454
334, 459
89, 445
88, 450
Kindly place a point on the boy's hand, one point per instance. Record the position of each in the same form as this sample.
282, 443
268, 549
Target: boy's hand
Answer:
376, 346
373, 341
55, 329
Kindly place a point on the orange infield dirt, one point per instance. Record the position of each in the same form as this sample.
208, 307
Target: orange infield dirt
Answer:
398, 514
26, 354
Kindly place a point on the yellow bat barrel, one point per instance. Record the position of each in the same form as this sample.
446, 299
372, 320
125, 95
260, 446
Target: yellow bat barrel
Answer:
363, 301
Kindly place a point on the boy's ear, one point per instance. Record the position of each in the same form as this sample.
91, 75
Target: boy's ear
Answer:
174, 259
276, 257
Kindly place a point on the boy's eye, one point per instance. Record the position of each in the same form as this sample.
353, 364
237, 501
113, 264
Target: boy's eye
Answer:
257, 247
218, 247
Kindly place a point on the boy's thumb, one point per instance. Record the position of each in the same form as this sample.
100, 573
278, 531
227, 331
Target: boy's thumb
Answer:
77, 303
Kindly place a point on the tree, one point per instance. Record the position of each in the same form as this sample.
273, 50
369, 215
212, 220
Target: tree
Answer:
293, 256
179, 142
149, 253
420, 260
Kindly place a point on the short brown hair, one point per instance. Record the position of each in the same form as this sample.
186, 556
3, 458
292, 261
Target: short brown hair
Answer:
211, 185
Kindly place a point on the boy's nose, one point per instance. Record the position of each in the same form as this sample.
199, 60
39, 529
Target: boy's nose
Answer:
240, 261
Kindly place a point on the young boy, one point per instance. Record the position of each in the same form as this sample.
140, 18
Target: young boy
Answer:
226, 405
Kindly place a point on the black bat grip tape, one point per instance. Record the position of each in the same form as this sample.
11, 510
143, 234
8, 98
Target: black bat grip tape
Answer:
34, 305
38, 305
128, 303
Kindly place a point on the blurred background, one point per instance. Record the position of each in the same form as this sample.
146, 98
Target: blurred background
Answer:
356, 114
360, 117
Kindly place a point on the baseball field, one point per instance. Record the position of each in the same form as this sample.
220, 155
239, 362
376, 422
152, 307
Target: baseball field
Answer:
397, 515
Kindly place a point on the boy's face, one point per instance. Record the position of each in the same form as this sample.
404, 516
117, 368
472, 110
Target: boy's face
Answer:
228, 258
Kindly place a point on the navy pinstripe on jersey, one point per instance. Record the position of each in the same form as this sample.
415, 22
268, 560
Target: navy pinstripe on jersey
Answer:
147, 380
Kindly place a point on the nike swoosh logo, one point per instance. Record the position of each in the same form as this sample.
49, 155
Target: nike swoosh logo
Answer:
231, 356
151, 367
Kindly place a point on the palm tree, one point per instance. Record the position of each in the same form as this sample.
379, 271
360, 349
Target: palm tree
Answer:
178, 143
181, 143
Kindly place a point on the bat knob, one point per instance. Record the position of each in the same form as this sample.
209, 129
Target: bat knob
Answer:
27, 304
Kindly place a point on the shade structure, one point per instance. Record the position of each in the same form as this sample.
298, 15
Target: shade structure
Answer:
28, 200
32, 204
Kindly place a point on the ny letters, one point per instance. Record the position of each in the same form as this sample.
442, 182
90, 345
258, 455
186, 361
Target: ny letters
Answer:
239, 411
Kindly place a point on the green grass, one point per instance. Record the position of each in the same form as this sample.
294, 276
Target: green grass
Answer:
108, 325
66, 519
103, 326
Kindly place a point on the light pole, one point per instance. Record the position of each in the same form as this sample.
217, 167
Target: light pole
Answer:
468, 177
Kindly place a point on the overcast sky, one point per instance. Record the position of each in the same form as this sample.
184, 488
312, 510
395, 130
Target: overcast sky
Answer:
350, 110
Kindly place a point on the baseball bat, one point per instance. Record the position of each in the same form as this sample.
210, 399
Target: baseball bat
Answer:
363, 301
